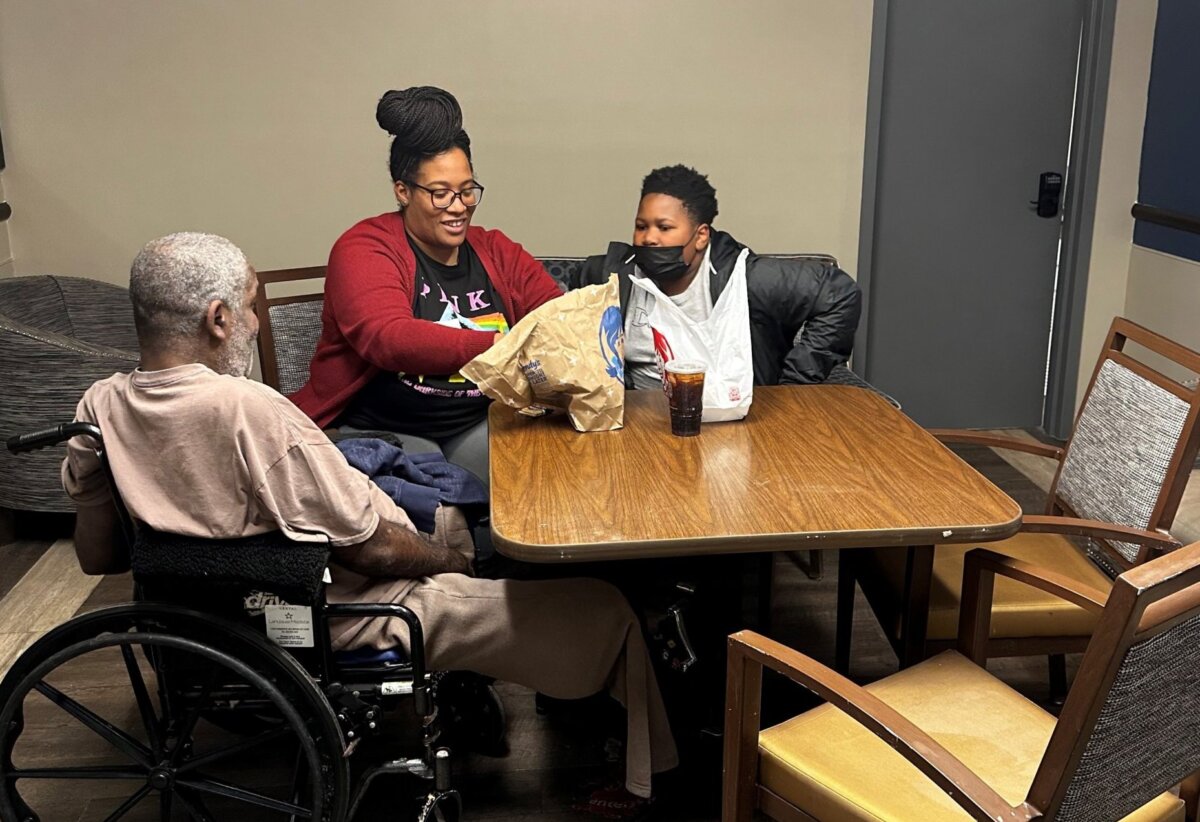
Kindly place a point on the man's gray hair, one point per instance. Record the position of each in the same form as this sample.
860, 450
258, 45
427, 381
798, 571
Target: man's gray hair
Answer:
175, 278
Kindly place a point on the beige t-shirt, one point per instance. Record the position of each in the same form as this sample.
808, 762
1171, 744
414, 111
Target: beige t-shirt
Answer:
220, 457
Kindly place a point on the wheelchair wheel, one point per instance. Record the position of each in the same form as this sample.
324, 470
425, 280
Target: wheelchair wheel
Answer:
116, 706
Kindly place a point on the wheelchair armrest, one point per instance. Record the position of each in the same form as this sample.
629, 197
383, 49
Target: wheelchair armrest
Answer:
416, 639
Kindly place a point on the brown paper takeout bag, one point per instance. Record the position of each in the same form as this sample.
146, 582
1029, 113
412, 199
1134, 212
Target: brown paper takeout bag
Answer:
568, 354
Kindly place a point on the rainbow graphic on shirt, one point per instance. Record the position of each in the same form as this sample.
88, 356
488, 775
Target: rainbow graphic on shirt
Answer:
494, 323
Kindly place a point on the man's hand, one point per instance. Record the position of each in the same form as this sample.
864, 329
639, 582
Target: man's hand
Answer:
396, 551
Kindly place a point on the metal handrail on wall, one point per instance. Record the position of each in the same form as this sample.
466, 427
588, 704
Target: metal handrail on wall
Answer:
1165, 217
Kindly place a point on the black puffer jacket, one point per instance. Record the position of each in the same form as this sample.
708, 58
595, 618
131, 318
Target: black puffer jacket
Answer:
803, 314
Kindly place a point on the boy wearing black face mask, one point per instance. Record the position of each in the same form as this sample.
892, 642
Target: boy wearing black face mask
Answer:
803, 314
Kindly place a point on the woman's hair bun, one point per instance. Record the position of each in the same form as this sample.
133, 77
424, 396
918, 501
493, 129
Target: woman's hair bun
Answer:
423, 119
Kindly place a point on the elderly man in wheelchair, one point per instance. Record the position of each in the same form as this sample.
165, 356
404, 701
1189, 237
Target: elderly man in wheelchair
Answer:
286, 603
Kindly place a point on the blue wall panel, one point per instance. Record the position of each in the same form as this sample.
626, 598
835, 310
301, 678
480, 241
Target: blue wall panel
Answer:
1170, 173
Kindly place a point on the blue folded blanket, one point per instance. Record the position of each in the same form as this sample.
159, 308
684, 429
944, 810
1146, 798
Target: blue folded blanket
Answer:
418, 483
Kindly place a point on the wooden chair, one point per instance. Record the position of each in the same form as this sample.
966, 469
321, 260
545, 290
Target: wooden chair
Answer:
944, 740
289, 326
1119, 481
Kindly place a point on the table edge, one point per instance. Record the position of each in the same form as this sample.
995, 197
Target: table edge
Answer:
752, 543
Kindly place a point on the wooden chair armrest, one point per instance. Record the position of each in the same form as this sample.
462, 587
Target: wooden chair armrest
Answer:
1074, 526
979, 576
959, 782
965, 437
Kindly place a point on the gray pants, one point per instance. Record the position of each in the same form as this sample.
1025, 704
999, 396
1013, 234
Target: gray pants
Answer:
470, 450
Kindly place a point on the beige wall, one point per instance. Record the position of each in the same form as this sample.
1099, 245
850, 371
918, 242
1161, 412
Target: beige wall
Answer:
255, 120
126, 119
1108, 273
1162, 295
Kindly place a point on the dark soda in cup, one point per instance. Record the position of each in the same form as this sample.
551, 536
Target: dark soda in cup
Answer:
684, 383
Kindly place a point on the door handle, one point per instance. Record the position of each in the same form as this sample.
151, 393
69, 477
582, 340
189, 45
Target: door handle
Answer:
1049, 194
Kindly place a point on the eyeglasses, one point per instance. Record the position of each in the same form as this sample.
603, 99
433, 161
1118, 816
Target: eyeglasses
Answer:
444, 197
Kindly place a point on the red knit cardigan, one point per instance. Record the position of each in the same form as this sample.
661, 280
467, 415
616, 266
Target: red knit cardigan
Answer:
367, 323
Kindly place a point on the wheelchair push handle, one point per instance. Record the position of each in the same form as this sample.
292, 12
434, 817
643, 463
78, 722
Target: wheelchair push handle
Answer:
22, 443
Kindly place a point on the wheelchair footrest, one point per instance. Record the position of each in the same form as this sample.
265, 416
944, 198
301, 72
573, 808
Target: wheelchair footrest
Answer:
415, 766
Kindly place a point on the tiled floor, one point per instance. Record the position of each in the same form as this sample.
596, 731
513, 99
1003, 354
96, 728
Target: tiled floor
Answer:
553, 759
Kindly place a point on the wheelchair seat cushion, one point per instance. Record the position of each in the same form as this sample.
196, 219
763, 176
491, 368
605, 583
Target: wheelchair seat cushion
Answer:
292, 570
362, 657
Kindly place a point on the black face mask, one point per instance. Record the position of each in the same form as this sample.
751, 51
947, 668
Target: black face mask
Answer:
662, 263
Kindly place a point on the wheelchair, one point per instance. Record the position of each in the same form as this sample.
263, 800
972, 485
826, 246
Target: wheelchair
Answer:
232, 704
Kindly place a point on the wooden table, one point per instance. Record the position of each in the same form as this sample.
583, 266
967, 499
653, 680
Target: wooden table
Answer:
811, 467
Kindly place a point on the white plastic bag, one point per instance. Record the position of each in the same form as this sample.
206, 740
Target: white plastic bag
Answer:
722, 342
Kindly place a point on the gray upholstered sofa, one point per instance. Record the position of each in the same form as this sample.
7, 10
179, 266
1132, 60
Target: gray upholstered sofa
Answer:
58, 335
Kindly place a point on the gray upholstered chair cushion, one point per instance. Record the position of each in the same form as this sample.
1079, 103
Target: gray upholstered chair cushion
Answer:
1117, 461
1143, 740
562, 269
99, 313
56, 339
37, 302
295, 329
87, 310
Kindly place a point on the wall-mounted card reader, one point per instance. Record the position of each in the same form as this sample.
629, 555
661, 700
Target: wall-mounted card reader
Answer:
1049, 194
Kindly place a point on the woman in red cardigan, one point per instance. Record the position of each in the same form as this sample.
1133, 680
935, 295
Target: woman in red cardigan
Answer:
411, 297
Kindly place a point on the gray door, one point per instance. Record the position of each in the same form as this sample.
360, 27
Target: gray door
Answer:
976, 102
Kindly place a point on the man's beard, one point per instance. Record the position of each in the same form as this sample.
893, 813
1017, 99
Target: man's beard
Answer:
237, 357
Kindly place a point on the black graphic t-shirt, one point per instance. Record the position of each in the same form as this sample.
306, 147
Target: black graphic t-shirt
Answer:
435, 406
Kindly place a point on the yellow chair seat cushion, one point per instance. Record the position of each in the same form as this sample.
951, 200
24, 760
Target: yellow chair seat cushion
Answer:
832, 768
1018, 610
